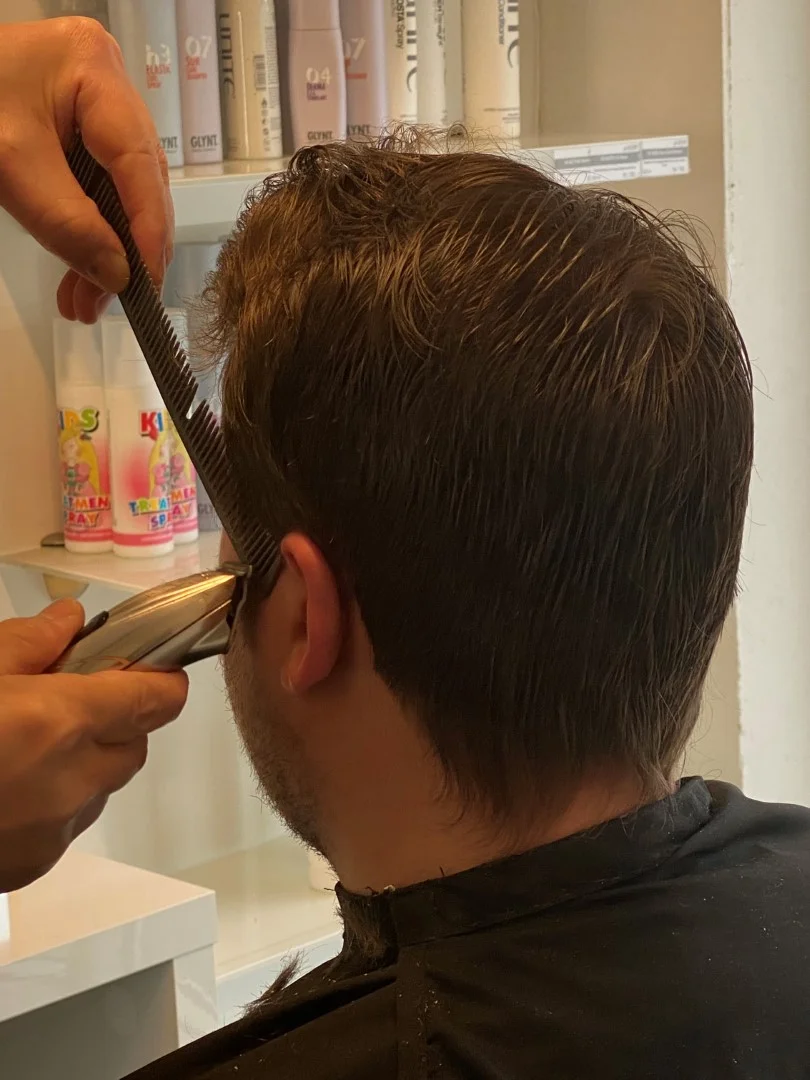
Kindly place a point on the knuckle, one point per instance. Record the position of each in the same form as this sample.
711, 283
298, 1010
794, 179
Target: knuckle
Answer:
87, 36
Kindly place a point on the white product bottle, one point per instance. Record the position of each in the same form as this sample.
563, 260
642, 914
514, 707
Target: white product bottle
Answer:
140, 447
146, 30
431, 100
84, 461
185, 281
183, 475
362, 23
199, 81
248, 75
5, 918
317, 72
453, 62
491, 67
400, 59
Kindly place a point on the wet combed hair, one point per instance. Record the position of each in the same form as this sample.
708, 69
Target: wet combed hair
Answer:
517, 418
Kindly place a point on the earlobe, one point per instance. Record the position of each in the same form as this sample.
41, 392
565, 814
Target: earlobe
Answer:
319, 631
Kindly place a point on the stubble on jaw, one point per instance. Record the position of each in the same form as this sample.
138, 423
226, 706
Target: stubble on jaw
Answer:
275, 752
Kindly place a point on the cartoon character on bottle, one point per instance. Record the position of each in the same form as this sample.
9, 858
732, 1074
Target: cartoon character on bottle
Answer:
80, 474
160, 467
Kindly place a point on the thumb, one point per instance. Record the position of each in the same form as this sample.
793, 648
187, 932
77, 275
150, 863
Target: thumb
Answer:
29, 646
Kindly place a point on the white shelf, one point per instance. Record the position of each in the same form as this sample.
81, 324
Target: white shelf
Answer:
131, 575
266, 905
208, 198
91, 921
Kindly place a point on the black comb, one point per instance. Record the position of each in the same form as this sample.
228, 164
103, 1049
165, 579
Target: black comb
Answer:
196, 424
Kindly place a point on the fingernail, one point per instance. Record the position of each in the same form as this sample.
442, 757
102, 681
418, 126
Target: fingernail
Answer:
62, 611
110, 271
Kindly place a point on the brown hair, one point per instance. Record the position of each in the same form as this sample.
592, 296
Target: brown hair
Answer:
517, 418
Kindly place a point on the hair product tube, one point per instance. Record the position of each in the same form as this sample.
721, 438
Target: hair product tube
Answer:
400, 58
431, 100
317, 72
140, 447
363, 27
146, 30
84, 450
491, 71
248, 76
199, 81
453, 62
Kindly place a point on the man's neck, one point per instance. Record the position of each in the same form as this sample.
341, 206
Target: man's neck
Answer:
402, 831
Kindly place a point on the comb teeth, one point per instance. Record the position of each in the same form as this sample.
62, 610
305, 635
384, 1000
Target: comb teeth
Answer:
197, 426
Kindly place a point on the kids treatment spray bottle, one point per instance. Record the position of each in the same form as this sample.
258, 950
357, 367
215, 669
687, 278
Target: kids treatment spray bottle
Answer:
140, 447
84, 463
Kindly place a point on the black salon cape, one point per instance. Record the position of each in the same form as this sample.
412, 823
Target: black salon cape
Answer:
673, 943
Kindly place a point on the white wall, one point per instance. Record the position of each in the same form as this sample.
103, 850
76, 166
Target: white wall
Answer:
768, 240
649, 67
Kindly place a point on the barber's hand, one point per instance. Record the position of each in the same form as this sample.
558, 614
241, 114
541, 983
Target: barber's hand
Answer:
66, 741
57, 76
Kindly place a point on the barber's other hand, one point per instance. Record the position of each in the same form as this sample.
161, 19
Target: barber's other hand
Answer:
57, 76
66, 741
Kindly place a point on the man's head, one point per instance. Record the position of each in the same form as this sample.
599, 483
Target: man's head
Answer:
506, 427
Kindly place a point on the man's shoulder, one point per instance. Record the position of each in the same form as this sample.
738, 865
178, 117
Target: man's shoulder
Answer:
745, 834
318, 1029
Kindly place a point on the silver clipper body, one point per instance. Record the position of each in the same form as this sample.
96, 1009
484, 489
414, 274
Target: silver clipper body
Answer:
163, 629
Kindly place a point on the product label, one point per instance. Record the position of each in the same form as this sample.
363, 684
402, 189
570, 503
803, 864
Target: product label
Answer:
197, 50
410, 41
183, 485
158, 65
227, 72
141, 477
402, 75
508, 29
85, 471
353, 49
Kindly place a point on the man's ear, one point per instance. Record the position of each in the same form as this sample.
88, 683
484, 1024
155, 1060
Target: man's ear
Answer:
313, 599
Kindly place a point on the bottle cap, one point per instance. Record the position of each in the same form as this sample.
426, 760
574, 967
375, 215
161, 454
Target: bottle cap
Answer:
124, 363
77, 354
314, 15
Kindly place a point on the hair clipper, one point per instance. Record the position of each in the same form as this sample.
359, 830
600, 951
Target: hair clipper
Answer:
163, 629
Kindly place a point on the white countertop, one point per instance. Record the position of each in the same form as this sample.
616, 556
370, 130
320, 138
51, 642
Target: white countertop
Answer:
91, 921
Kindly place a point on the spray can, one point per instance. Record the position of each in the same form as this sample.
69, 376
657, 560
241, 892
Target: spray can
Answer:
140, 447
146, 30
248, 75
84, 462
199, 81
